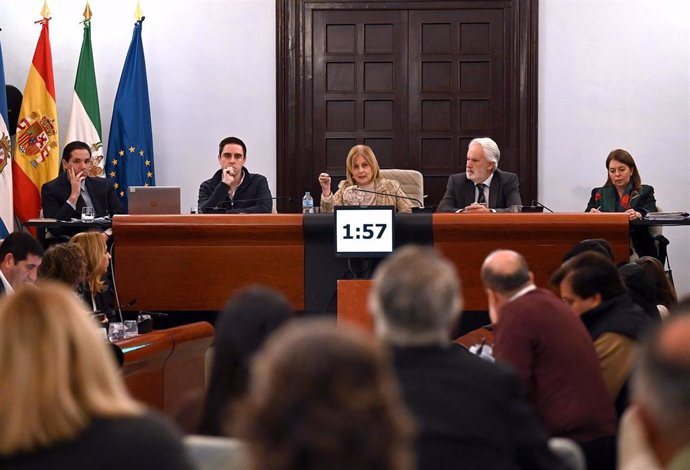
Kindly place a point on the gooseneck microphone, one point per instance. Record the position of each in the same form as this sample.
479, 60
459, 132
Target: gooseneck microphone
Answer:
397, 196
539, 204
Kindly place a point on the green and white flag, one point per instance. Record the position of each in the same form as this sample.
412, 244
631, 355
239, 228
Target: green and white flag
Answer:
85, 118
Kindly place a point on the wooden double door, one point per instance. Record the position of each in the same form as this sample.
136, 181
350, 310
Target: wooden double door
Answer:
416, 81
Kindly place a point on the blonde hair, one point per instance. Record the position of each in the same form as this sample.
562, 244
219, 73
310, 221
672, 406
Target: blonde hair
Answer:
56, 371
368, 154
94, 247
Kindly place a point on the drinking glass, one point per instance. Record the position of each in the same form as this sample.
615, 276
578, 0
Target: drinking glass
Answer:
131, 328
116, 331
87, 214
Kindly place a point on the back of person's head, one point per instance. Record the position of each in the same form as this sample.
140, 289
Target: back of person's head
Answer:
56, 371
598, 245
232, 140
665, 292
323, 397
661, 385
248, 319
590, 273
65, 263
20, 245
505, 272
94, 248
72, 146
641, 287
416, 297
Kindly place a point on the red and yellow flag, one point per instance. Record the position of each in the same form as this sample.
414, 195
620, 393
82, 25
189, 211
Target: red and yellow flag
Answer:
36, 156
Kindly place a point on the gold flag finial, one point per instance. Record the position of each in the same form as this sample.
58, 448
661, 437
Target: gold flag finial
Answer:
87, 11
138, 13
45, 11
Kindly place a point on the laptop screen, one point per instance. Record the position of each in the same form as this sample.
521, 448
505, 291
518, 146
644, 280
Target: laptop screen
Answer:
154, 199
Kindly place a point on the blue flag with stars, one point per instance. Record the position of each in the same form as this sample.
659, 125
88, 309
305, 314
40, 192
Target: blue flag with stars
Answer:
130, 145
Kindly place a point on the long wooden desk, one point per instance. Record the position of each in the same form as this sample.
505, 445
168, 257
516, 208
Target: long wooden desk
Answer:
161, 367
194, 262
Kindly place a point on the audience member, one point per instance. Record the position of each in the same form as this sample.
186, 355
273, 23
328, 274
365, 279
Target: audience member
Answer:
232, 188
641, 288
63, 404
551, 350
471, 414
95, 291
482, 187
248, 319
65, 263
598, 245
665, 292
323, 398
362, 172
20, 257
590, 284
64, 197
661, 392
623, 191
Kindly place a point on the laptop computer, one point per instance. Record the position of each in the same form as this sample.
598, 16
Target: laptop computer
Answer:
154, 199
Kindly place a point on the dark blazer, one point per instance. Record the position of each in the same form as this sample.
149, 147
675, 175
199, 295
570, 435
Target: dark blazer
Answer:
251, 197
470, 414
503, 192
54, 196
643, 202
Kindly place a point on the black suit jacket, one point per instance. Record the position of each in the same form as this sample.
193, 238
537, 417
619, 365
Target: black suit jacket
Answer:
470, 414
503, 192
54, 196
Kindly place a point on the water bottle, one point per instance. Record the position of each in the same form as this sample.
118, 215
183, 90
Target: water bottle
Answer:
307, 203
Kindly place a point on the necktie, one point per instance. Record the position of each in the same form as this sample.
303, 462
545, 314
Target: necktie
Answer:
480, 197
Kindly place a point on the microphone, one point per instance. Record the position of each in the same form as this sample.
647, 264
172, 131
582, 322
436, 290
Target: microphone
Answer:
539, 204
390, 195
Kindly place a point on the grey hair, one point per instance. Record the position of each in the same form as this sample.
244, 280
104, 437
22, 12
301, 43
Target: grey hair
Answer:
491, 151
416, 297
662, 382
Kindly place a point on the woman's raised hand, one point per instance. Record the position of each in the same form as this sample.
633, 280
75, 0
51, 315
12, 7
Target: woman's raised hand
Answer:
325, 182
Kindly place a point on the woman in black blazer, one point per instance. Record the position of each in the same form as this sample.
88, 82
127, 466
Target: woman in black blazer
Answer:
624, 192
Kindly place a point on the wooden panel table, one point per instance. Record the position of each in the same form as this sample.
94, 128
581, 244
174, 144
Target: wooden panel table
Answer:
543, 239
163, 366
194, 262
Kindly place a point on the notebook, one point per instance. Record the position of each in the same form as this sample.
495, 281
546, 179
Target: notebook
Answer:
154, 199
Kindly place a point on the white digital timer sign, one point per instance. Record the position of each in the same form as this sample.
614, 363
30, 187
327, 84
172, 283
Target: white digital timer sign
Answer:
362, 231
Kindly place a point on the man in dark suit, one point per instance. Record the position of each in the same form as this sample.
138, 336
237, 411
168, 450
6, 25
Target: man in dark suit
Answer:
64, 197
20, 257
471, 414
550, 349
483, 187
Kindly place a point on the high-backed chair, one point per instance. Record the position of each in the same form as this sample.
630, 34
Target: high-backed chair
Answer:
212, 453
411, 182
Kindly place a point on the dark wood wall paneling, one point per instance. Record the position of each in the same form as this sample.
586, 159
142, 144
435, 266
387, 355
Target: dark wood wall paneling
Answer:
414, 80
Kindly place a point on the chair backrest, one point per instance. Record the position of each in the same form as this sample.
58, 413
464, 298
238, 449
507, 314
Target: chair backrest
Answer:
569, 452
411, 182
212, 453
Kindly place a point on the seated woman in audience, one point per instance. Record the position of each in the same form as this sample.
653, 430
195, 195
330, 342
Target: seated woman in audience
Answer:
322, 397
362, 173
63, 403
245, 323
65, 263
665, 292
624, 192
94, 290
